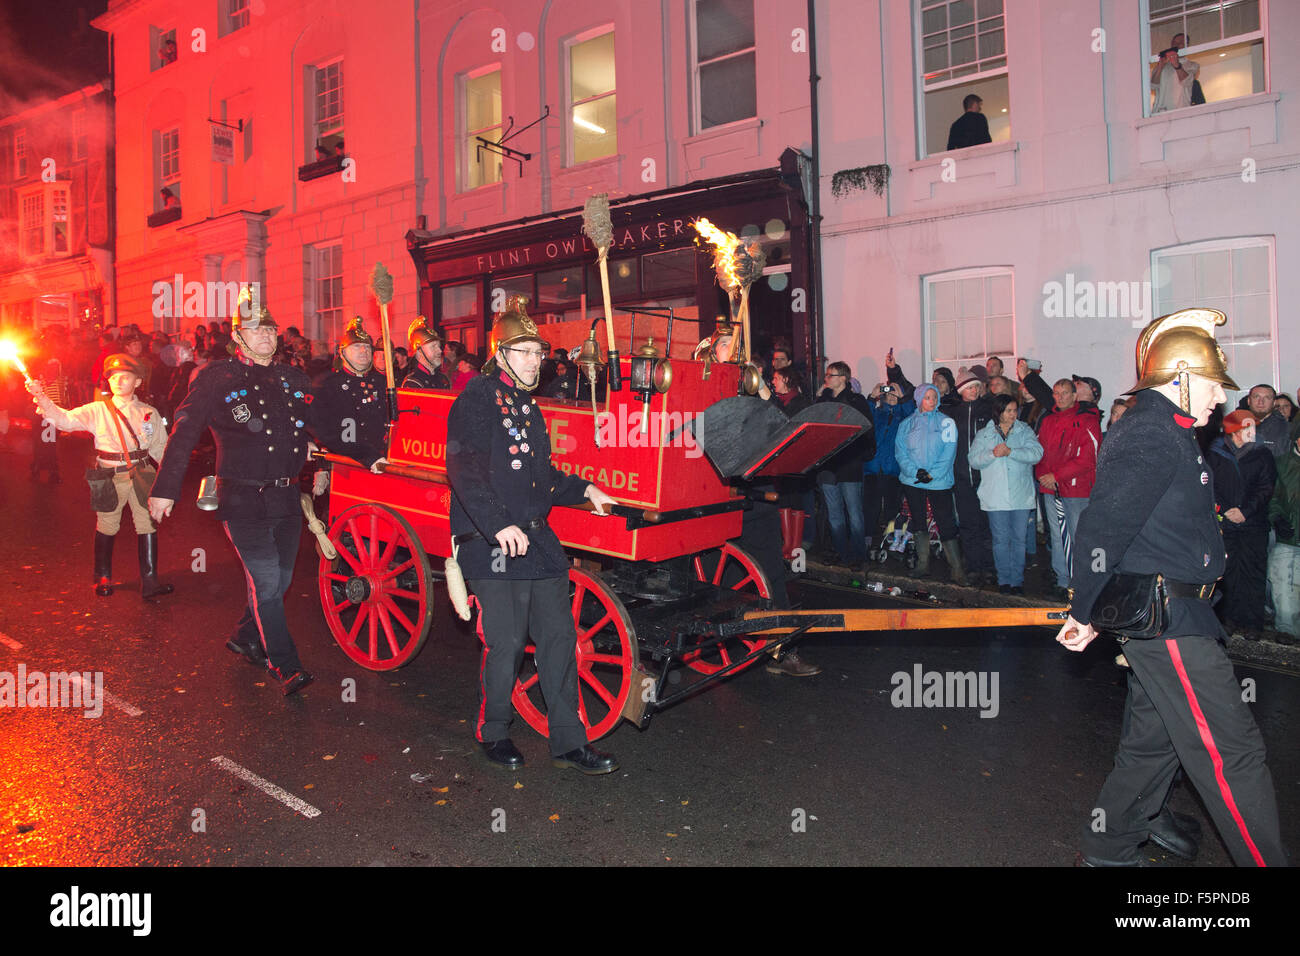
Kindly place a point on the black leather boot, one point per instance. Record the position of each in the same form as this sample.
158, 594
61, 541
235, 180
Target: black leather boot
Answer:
103, 564
150, 586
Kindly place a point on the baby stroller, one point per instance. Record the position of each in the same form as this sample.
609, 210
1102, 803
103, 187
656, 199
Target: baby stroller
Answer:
900, 539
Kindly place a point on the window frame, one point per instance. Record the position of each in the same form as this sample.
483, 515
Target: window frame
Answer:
697, 98
467, 140
957, 275
586, 36
918, 51
229, 11
323, 280
161, 164
339, 127
20, 152
80, 135
157, 35
1150, 59
1226, 340
47, 194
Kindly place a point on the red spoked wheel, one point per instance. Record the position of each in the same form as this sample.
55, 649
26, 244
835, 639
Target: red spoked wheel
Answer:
728, 567
377, 594
607, 657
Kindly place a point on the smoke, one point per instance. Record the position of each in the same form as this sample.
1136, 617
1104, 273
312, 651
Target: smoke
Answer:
48, 49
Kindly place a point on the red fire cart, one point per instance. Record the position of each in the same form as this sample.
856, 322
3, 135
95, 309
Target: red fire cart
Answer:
663, 578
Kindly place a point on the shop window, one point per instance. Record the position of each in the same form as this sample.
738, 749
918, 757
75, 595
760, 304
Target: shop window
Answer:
480, 119
593, 114
969, 315
559, 289
460, 314
1223, 39
624, 279
726, 87
163, 50
1237, 277
962, 51
672, 271
500, 288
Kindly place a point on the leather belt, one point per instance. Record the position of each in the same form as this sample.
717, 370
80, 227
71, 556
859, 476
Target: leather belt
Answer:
118, 456
1201, 592
260, 483
471, 535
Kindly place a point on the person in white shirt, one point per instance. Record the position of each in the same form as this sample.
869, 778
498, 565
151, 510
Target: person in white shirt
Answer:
1172, 78
128, 433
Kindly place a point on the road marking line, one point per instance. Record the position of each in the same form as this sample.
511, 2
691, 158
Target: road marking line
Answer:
9, 642
129, 709
267, 787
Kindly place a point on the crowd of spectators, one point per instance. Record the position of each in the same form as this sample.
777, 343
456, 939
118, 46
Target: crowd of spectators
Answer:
998, 464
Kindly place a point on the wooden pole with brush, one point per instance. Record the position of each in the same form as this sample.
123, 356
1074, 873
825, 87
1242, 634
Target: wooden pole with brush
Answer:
599, 228
381, 286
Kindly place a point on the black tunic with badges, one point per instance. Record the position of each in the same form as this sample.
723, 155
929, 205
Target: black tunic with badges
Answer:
499, 465
1151, 511
260, 416
421, 377
343, 398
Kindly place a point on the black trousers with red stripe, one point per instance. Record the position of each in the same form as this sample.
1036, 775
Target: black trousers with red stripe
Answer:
509, 613
1185, 706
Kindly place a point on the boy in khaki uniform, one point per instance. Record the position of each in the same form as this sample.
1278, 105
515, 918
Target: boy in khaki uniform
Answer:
127, 434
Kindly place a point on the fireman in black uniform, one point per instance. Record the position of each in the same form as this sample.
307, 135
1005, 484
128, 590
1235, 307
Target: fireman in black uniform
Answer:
1152, 512
260, 415
426, 349
354, 394
504, 485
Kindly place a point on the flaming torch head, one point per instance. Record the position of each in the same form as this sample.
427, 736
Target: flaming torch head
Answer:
596, 222
738, 262
381, 284
9, 353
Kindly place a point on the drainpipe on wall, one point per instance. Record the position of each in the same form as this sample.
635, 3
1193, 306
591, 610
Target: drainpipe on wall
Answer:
815, 334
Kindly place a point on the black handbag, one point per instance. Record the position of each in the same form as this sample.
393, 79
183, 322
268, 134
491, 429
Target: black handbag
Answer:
1133, 606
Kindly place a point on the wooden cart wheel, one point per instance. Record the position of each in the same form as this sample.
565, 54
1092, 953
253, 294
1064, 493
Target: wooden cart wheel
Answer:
377, 595
607, 657
728, 567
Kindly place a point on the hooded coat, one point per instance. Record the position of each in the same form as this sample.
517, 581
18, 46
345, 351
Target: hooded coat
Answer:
1007, 483
926, 440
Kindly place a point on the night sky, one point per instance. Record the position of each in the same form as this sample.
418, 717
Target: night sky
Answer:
48, 48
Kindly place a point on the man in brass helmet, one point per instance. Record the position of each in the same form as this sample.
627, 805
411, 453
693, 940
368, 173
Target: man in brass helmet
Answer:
354, 394
260, 414
426, 349
503, 487
1152, 512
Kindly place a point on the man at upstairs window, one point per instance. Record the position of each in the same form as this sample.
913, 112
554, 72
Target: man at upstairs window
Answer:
1173, 79
972, 127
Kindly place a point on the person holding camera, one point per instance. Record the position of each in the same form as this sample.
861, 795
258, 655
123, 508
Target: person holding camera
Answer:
1173, 79
882, 491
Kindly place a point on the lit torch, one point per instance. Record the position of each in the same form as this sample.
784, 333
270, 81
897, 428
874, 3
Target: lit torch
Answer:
738, 264
9, 353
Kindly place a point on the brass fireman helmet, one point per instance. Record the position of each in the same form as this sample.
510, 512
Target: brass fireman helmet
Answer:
355, 334
1179, 342
421, 333
261, 319
513, 326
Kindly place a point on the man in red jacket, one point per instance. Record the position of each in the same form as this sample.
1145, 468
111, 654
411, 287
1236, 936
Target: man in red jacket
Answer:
1070, 437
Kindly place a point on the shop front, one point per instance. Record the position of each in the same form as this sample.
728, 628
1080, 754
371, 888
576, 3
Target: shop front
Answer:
655, 265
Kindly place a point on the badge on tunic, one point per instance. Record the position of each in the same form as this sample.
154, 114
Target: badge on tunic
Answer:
507, 423
1205, 478
516, 464
514, 449
241, 413
524, 448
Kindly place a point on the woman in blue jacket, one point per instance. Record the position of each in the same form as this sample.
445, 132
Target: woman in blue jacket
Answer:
1005, 452
925, 448
880, 474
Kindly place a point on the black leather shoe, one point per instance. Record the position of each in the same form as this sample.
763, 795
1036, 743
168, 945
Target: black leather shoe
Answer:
295, 682
503, 753
587, 759
1081, 860
252, 653
1168, 832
